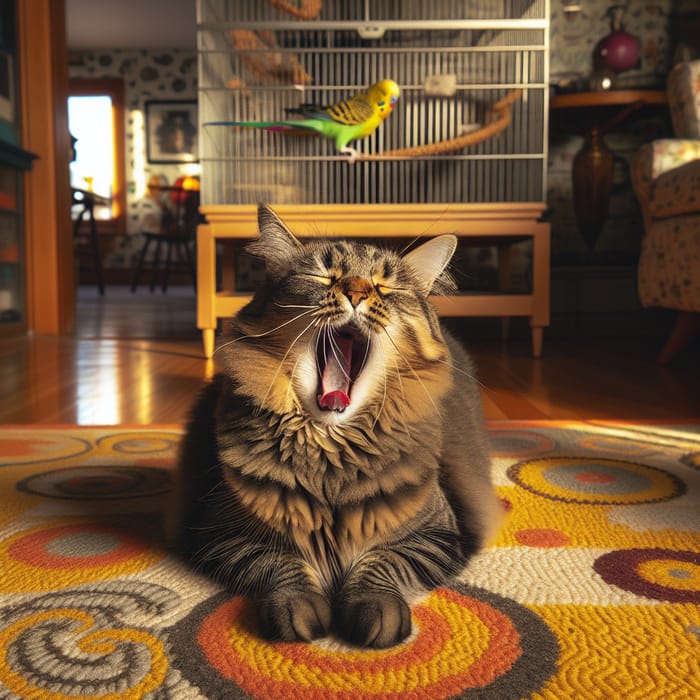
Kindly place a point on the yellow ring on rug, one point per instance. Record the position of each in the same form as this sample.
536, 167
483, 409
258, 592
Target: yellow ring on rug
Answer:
46, 557
671, 573
596, 480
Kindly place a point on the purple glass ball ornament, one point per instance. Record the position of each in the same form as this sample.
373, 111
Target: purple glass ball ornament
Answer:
618, 51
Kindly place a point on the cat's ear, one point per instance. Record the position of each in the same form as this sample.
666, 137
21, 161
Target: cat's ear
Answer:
429, 260
276, 244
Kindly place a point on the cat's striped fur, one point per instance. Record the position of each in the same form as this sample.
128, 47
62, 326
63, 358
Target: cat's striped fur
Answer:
329, 515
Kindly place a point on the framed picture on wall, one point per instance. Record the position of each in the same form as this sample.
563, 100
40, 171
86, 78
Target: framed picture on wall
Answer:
171, 131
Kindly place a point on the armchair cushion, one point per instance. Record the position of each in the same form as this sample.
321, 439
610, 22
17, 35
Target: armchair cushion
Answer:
683, 91
668, 154
669, 265
666, 178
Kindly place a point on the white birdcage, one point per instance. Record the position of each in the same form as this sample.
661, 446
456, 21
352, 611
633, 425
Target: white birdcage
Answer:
452, 59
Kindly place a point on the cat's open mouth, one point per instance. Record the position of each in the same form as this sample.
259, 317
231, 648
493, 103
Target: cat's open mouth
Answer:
341, 356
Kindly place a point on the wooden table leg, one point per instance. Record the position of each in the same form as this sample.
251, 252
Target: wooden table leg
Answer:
206, 287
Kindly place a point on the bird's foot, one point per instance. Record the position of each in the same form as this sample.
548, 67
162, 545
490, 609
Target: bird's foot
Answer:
351, 153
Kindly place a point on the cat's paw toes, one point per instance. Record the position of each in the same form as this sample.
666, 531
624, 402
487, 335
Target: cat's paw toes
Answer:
294, 617
375, 620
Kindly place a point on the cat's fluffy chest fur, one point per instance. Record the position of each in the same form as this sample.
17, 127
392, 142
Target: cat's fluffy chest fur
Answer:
330, 488
339, 461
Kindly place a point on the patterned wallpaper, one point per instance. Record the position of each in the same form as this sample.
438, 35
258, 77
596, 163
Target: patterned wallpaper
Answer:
573, 37
162, 75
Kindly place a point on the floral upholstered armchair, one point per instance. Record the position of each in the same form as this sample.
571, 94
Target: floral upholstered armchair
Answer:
666, 179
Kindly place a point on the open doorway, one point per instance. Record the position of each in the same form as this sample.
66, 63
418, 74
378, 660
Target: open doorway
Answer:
97, 120
96, 123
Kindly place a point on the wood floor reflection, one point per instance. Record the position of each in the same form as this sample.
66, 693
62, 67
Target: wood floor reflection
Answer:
113, 371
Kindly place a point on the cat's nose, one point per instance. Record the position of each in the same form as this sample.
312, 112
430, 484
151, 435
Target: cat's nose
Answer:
356, 289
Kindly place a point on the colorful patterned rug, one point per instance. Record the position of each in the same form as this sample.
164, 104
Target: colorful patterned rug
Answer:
590, 591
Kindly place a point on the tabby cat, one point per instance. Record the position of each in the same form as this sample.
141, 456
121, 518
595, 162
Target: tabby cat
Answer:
337, 466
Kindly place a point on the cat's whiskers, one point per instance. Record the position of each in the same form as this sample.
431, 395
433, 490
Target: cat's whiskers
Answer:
366, 355
296, 306
384, 374
453, 366
403, 395
313, 345
325, 337
413, 371
311, 324
290, 386
319, 335
310, 310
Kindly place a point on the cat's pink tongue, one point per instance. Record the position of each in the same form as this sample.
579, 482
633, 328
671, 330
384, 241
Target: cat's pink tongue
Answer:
335, 381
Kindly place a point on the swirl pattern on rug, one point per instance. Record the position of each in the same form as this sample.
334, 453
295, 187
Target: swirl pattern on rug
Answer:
85, 642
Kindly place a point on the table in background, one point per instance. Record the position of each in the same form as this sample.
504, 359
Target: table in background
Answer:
593, 114
500, 225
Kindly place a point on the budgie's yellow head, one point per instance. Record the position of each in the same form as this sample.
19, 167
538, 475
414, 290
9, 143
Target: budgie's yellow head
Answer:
383, 96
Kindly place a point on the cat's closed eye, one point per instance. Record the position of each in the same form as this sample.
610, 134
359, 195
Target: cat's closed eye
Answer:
327, 280
385, 289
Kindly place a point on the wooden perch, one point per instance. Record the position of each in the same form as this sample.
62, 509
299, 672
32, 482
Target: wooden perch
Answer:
500, 119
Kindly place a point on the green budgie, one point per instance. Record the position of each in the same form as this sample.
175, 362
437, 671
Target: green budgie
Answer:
342, 122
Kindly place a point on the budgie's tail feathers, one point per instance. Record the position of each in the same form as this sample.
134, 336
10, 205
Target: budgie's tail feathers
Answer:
307, 109
270, 126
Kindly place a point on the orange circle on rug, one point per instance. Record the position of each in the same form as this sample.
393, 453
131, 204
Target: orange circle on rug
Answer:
464, 638
73, 547
39, 447
71, 553
542, 537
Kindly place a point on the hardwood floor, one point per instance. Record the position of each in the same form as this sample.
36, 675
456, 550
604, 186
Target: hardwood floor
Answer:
113, 372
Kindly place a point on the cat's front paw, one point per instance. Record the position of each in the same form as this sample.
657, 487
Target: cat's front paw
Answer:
294, 616
377, 620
